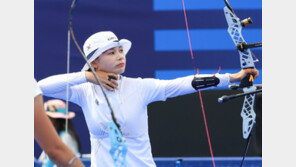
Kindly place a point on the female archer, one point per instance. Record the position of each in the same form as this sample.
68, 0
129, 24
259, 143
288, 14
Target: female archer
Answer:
129, 97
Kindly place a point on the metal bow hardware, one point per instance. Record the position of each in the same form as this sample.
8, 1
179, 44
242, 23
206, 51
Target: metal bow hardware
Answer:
247, 60
118, 147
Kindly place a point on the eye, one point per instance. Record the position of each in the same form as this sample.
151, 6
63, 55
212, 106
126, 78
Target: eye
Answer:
111, 53
121, 50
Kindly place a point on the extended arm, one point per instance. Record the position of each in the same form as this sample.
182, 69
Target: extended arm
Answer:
160, 90
156, 90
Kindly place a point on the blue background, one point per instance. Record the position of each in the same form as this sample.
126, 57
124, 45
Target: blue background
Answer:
158, 33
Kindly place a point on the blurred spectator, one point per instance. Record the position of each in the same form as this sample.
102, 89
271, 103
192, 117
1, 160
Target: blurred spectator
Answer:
56, 111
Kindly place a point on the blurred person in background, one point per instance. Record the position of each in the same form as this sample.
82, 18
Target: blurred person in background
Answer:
56, 111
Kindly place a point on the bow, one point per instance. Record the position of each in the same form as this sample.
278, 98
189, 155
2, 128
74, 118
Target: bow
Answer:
118, 147
247, 60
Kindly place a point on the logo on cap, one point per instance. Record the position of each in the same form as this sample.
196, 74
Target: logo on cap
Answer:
88, 47
111, 38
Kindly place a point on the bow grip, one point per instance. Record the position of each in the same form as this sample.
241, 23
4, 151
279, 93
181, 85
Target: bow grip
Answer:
248, 80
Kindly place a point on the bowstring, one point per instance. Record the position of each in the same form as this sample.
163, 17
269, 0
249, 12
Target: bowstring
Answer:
199, 92
67, 89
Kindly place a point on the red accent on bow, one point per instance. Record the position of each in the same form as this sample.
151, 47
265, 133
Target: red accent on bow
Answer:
200, 97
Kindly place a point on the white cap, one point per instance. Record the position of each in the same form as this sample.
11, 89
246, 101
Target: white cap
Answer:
99, 42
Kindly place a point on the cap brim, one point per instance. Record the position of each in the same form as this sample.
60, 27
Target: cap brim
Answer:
70, 115
126, 44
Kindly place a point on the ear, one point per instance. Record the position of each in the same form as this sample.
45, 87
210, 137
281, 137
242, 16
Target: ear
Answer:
93, 64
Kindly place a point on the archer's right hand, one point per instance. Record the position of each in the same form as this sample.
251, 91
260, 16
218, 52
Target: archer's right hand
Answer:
108, 80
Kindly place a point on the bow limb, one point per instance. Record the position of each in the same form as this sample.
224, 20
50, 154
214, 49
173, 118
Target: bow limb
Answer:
118, 147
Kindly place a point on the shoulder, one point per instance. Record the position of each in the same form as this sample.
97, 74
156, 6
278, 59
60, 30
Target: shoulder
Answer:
131, 85
129, 79
142, 83
83, 86
138, 80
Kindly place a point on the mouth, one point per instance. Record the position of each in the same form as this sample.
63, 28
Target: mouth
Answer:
120, 65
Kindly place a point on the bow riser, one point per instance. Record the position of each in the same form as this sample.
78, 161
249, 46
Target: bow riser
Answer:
234, 30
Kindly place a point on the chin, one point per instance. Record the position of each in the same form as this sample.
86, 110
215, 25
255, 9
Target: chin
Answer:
120, 71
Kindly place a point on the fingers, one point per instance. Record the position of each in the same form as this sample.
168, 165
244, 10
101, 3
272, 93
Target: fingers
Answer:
109, 84
108, 80
237, 77
109, 87
112, 80
255, 72
112, 76
113, 84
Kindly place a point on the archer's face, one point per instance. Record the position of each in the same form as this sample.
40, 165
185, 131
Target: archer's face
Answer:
112, 60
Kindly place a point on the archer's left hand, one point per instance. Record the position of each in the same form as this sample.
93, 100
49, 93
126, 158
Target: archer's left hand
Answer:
242, 74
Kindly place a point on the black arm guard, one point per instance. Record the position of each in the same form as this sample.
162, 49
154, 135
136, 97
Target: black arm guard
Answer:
204, 82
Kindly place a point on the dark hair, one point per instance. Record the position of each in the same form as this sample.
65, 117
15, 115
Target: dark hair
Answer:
60, 125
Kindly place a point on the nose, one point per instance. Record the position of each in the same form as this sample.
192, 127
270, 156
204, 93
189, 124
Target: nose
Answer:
120, 56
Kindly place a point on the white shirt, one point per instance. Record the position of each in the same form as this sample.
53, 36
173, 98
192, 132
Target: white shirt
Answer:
129, 104
37, 90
